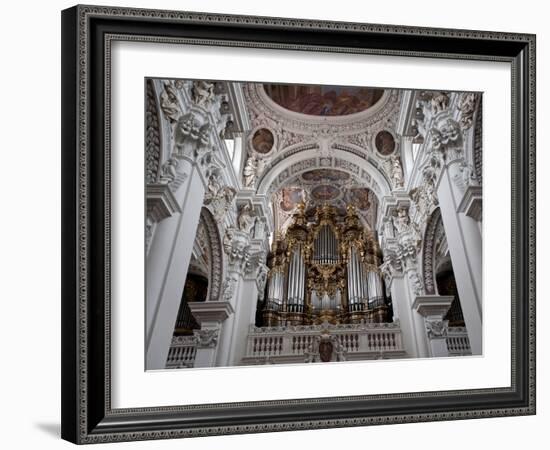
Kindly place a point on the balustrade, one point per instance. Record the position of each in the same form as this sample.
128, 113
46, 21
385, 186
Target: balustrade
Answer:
458, 343
374, 338
182, 352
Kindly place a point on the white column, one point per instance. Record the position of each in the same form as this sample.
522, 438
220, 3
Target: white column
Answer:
167, 265
402, 311
432, 309
245, 315
465, 248
210, 316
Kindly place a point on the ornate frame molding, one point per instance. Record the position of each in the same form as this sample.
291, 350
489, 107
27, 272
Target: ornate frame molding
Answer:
87, 415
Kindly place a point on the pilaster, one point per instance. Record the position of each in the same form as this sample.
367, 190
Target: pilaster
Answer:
433, 309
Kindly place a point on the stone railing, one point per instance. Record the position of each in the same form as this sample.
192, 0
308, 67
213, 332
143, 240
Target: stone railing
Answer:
182, 352
293, 343
458, 343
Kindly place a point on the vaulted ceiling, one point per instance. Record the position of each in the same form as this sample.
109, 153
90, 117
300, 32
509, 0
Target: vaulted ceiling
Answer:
331, 123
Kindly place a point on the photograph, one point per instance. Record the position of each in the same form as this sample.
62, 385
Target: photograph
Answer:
300, 223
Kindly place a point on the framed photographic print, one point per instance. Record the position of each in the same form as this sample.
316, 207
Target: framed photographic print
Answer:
282, 224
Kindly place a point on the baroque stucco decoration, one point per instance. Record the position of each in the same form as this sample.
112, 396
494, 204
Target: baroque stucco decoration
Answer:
152, 136
433, 230
215, 254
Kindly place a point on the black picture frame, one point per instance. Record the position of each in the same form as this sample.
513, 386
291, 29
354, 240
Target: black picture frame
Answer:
87, 33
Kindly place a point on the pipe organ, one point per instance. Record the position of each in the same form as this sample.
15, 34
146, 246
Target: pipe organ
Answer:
325, 269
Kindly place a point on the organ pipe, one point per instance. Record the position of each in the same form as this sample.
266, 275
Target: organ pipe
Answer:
333, 253
357, 278
364, 277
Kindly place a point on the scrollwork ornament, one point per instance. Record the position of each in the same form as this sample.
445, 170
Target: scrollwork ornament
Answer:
169, 171
437, 329
169, 102
202, 93
467, 107
207, 338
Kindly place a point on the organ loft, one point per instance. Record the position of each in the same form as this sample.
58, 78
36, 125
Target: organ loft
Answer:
325, 269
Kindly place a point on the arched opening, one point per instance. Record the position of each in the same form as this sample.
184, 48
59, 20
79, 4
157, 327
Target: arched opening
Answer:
324, 261
446, 285
438, 270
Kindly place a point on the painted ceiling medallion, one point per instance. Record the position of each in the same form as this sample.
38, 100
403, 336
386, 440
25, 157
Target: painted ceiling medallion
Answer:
360, 197
291, 197
329, 175
385, 143
325, 192
323, 100
263, 140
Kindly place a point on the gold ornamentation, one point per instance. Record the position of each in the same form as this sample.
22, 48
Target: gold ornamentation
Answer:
326, 276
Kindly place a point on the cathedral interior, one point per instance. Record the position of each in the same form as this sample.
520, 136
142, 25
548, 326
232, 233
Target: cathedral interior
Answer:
303, 224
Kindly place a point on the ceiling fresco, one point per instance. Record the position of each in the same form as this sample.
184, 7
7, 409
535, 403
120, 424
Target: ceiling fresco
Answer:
325, 193
322, 186
263, 140
318, 100
326, 175
290, 197
384, 142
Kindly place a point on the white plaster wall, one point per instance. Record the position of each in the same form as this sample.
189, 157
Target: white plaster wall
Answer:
30, 386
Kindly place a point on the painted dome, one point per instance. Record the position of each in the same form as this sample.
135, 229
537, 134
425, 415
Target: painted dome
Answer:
316, 100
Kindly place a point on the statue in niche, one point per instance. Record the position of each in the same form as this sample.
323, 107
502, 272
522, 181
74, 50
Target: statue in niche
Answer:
416, 283
249, 172
468, 175
261, 280
396, 172
440, 102
467, 107
203, 93
401, 221
388, 227
228, 241
169, 102
169, 171
245, 220
229, 288
213, 186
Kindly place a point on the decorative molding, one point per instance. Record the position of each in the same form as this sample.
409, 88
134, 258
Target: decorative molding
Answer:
266, 112
467, 108
218, 199
472, 203
161, 202
153, 141
206, 312
478, 144
169, 102
424, 196
415, 280
236, 244
325, 327
206, 338
434, 223
215, 255
436, 329
432, 305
